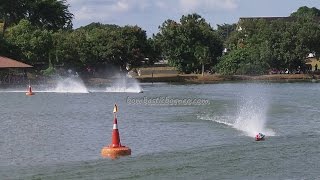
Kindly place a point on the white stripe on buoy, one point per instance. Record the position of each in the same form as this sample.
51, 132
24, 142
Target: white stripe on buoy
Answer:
115, 126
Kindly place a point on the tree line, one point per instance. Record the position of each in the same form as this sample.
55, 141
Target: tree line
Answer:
263, 44
39, 32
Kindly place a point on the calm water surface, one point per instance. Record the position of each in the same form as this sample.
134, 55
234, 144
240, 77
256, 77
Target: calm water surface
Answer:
60, 135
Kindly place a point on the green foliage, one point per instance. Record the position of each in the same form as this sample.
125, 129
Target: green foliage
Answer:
98, 45
4, 47
242, 61
225, 30
34, 44
306, 12
184, 43
48, 14
94, 25
272, 44
12, 11
229, 64
153, 51
40, 32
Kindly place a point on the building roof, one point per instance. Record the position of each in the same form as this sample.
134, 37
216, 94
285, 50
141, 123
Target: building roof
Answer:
288, 19
269, 19
266, 18
10, 63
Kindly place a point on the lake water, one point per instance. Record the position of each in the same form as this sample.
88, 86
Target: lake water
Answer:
58, 134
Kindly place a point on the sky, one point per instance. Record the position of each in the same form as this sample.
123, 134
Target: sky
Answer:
150, 14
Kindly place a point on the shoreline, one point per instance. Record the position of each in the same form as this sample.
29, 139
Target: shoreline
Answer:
185, 78
196, 78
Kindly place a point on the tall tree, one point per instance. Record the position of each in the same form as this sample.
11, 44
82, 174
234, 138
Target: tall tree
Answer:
275, 43
49, 14
183, 42
306, 11
98, 45
203, 56
5, 47
34, 44
153, 51
12, 11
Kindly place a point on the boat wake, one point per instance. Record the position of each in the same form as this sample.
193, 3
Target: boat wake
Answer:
124, 89
249, 127
221, 120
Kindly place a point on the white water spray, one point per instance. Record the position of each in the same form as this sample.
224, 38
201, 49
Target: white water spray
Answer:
252, 113
251, 116
125, 84
70, 85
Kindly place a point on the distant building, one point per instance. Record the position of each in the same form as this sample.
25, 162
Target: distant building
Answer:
10, 63
242, 20
12, 71
312, 63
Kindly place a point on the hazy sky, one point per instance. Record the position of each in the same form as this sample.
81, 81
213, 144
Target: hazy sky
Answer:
149, 14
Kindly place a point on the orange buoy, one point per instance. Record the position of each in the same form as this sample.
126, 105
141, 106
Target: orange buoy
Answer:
115, 149
29, 93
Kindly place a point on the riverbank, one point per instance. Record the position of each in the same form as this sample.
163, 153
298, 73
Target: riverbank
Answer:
185, 78
196, 78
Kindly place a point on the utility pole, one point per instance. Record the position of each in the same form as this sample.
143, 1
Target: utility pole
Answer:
204, 59
202, 69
